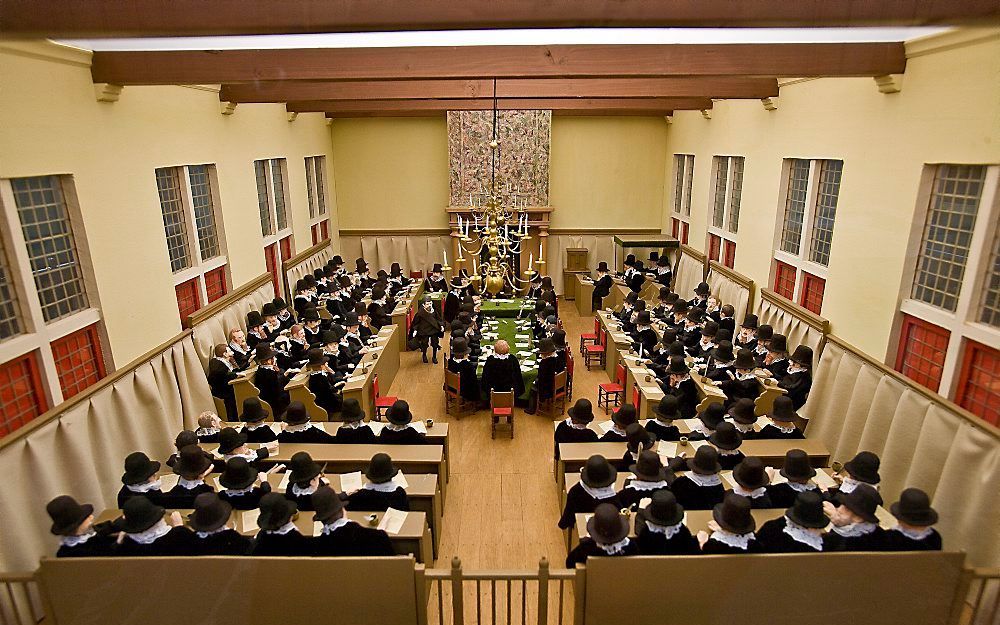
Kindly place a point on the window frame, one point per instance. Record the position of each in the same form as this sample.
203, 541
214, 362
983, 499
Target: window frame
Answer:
725, 233
682, 190
317, 200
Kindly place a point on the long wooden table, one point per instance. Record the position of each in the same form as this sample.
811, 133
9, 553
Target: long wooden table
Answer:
383, 362
618, 343
403, 308
584, 295
413, 537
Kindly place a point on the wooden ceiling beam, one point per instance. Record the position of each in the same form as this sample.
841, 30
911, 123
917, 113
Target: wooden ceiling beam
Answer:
672, 87
149, 18
566, 61
582, 105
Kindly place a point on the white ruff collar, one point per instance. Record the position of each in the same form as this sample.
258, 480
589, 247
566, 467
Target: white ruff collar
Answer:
73, 541
914, 534
146, 537
218, 530
206, 431
384, 487
284, 529
329, 528
644, 485
850, 484
615, 548
189, 484
668, 531
576, 426
855, 529
606, 492
803, 535
299, 427
301, 492
752, 494
800, 487
146, 487
739, 541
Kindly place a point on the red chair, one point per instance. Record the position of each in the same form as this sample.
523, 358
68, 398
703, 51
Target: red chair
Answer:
382, 404
596, 353
569, 372
416, 275
635, 397
548, 406
453, 395
612, 391
501, 407
591, 338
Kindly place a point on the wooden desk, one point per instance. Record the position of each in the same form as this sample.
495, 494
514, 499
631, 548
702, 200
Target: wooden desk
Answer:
413, 537
649, 392
618, 343
384, 362
572, 456
403, 308
765, 401
584, 294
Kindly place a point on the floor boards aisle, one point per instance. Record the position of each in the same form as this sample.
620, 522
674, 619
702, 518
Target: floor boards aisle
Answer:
502, 503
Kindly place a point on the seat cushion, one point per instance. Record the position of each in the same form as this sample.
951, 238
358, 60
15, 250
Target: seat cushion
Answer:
503, 412
385, 402
611, 387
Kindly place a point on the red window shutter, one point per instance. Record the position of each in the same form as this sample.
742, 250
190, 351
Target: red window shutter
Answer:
922, 348
324, 227
979, 382
729, 253
215, 284
684, 232
784, 279
79, 360
714, 247
675, 227
188, 298
315, 233
813, 288
271, 260
22, 397
286, 248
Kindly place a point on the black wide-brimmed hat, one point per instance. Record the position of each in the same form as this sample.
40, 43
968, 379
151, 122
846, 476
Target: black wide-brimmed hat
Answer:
724, 352
643, 318
301, 285
705, 461
668, 337
437, 268
395, 269
710, 329
345, 281
726, 437
602, 266
309, 314
192, 462
279, 304
238, 474
750, 473
140, 514
360, 265
667, 409
744, 359
629, 260
807, 511
914, 508
778, 343
713, 415
676, 350
724, 334
185, 438
230, 439
399, 413
296, 413
582, 411
750, 321
318, 273
263, 352
559, 339
695, 315
67, 515
765, 332
381, 469
639, 265
797, 465
607, 526
803, 355
460, 347
863, 501
302, 468
640, 305
654, 256
733, 514
681, 306
663, 509
702, 289
742, 412
663, 261
351, 411
268, 310
254, 320
648, 467
310, 280
664, 294
598, 472
864, 467
139, 468
329, 337
276, 510
210, 513
625, 416
328, 504
316, 357
253, 410
546, 346
337, 261
456, 281
638, 438
678, 366
783, 409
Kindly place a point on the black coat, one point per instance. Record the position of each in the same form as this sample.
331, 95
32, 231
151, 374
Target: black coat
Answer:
714, 547
778, 368
875, 541
782, 495
547, 370
291, 544
647, 339
353, 540
380, 315
663, 432
323, 385
427, 324
271, 385
693, 497
579, 501
602, 287
246, 501
773, 539
242, 356
406, 436
219, 376
260, 435
655, 544
687, 397
226, 543
897, 541
154, 496
376, 501
798, 385
588, 547
635, 282
740, 389
177, 542
503, 375
630, 497
468, 381
436, 286
568, 434
308, 435
770, 432
183, 498
729, 462
96, 547
363, 435
452, 302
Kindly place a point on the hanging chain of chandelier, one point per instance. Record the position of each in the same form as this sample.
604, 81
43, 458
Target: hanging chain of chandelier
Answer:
498, 228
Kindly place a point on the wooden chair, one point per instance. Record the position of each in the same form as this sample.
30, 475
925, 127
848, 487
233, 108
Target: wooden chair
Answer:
453, 394
416, 275
382, 404
220, 408
591, 338
569, 372
612, 394
596, 353
547, 406
501, 407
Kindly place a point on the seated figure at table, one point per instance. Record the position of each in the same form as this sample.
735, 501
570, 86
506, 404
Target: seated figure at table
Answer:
239, 485
800, 530
602, 286
338, 304
325, 383
621, 418
596, 486
299, 429
650, 478
338, 358
303, 297
278, 535
363, 273
661, 425
558, 337
396, 276
534, 286
721, 363
548, 294
644, 337
752, 481
607, 535
238, 346
473, 335
233, 444
746, 337
637, 280
222, 370
660, 528
690, 332
340, 536
255, 329
380, 308
148, 533
460, 363
708, 420
701, 293
436, 282
453, 300
628, 325
427, 327
854, 525
741, 414
73, 523
629, 267
304, 477
668, 347
637, 440
624, 312
700, 488
861, 470
549, 365
574, 428
456, 330
212, 535
257, 430
140, 478
400, 429
764, 335
732, 527
776, 360
727, 318
209, 425
269, 379
677, 317
664, 302
663, 274
353, 429
502, 372
915, 520
680, 385
782, 418
798, 380
798, 473
312, 325
182, 440
193, 466
727, 441
706, 344
538, 324
380, 492
744, 384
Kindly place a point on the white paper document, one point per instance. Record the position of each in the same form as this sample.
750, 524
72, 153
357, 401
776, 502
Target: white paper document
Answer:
168, 481
283, 484
392, 521
351, 482
400, 480
604, 426
248, 521
419, 426
824, 480
667, 449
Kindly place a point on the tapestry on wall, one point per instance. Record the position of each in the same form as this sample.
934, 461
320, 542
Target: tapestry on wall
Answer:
523, 156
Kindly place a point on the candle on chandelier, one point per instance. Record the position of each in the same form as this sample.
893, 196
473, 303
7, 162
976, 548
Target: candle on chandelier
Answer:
445, 252
474, 269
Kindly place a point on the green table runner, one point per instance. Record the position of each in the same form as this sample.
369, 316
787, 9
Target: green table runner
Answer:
509, 330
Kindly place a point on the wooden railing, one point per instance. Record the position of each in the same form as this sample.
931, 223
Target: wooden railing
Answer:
20, 602
812, 324
226, 301
984, 607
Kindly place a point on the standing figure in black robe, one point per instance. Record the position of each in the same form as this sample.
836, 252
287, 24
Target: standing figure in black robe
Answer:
602, 286
436, 282
453, 300
427, 327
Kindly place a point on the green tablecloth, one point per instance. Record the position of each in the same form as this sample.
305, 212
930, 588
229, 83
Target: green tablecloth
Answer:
507, 329
507, 308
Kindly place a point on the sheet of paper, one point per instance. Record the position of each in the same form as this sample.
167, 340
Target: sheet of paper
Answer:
317, 528
696, 444
523, 336
885, 518
667, 449
530, 363
283, 484
778, 478
392, 521
604, 426
400, 480
522, 345
692, 424
168, 481
376, 426
727, 477
645, 501
761, 422
326, 427
351, 482
356, 378
824, 480
525, 368
215, 452
248, 521
523, 353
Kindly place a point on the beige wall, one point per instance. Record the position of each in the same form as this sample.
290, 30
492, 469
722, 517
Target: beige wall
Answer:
51, 123
948, 111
